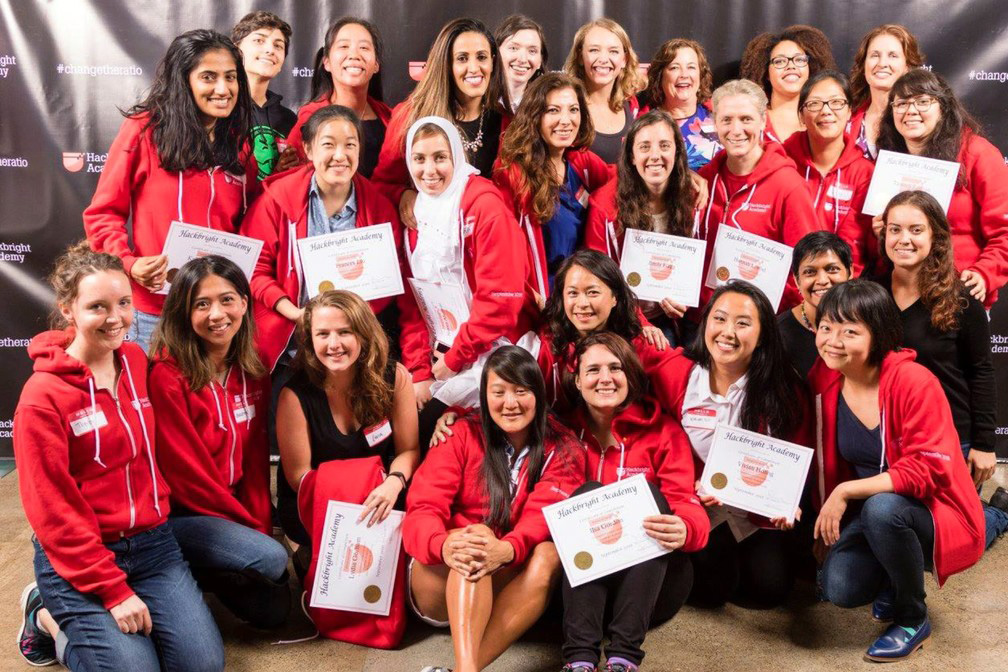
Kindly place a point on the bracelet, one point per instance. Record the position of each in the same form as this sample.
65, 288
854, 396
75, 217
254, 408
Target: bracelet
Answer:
400, 476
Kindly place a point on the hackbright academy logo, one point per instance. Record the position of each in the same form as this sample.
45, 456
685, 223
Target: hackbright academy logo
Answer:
6, 61
75, 162
13, 162
7, 429
14, 252
999, 344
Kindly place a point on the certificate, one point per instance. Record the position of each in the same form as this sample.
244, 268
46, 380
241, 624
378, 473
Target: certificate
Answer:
357, 564
659, 266
362, 261
746, 256
756, 473
896, 172
602, 531
444, 307
185, 242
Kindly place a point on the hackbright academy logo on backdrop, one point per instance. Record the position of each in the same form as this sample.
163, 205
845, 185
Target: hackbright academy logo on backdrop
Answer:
7, 429
999, 344
7, 61
75, 162
15, 253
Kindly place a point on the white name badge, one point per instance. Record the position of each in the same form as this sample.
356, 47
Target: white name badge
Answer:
185, 242
739, 254
839, 193
243, 413
660, 266
362, 261
375, 434
700, 418
896, 172
85, 421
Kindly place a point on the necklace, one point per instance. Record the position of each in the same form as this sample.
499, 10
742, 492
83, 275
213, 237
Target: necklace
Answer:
804, 317
470, 146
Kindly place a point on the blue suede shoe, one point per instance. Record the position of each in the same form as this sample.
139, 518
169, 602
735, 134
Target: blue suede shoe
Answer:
882, 608
896, 643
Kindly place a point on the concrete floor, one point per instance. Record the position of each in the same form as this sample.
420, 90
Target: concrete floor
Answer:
969, 616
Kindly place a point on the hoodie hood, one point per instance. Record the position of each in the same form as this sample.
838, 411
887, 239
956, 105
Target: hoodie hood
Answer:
774, 158
799, 149
48, 351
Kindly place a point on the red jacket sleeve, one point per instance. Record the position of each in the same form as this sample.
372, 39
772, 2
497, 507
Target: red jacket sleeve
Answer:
676, 479
185, 461
500, 272
60, 517
263, 222
105, 218
391, 175
988, 184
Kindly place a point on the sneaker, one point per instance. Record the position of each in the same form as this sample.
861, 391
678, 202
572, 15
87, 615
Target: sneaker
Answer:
34, 643
579, 667
896, 643
999, 500
619, 666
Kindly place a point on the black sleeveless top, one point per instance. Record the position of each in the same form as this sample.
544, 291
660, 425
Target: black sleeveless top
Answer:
327, 442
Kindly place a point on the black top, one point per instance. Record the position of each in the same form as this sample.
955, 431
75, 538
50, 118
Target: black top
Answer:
799, 343
860, 446
269, 122
483, 158
961, 360
374, 136
609, 145
327, 442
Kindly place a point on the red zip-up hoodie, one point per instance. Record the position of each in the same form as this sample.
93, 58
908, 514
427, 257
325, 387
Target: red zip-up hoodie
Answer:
447, 491
653, 444
773, 202
279, 218
294, 139
86, 458
513, 185
211, 444
921, 454
133, 185
391, 175
839, 196
495, 264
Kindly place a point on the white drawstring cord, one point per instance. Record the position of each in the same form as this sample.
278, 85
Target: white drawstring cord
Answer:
94, 424
143, 427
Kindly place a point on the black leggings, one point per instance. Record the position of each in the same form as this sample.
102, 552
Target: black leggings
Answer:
756, 572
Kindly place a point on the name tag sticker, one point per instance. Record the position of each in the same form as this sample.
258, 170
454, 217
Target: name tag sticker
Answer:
700, 418
243, 413
840, 192
375, 434
84, 421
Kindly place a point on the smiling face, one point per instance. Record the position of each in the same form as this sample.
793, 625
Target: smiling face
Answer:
263, 51
512, 407
521, 56
844, 346
654, 153
352, 59
885, 62
102, 312
472, 63
913, 123
214, 84
431, 164
817, 274
732, 331
739, 125
335, 153
790, 78
603, 57
681, 78
217, 312
827, 123
601, 379
335, 344
908, 237
587, 300
561, 120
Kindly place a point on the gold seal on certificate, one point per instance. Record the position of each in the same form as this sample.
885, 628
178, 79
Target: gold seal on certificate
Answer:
747, 256
372, 594
896, 172
659, 266
185, 242
602, 531
363, 261
756, 473
633, 278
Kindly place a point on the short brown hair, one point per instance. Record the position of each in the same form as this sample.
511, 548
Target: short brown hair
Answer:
253, 21
666, 53
76, 263
637, 380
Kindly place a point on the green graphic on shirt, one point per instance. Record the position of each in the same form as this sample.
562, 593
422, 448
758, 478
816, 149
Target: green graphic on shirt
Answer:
264, 147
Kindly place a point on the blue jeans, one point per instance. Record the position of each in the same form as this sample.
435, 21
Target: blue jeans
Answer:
995, 519
143, 328
185, 637
888, 545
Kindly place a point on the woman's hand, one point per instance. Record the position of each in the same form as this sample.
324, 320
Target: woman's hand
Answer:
132, 616
406, 203
981, 465
702, 193
975, 284
288, 159
456, 551
785, 524
673, 309
380, 501
422, 392
667, 530
655, 337
489, 555
877, 225
705, 499
540, 300
287, 308
827, 525
441, 370
442, 428
150, 272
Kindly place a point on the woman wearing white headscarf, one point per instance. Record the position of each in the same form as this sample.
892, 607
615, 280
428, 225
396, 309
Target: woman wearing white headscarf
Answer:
469, 268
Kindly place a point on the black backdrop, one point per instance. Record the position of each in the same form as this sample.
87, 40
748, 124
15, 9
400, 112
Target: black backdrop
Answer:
67, 65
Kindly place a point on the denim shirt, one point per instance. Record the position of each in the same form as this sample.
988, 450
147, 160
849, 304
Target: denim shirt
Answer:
319, 223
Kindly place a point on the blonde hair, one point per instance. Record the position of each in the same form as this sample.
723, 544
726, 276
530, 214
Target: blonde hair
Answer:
741, 87
76, 263
630, 80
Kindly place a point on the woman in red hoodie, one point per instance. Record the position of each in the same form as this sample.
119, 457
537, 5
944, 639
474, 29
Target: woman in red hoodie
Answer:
109, 570
836, 173
625, 434
926, 119
753, 184
210, 392
895, 496
546, 171
474, 525
179, 157
348, 73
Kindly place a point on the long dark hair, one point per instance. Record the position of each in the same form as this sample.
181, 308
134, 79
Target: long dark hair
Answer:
516, 22
632, 194
623, 319
773, 388
321, 81
181, 139
516, 366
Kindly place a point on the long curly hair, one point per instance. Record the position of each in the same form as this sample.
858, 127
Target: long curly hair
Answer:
860, 90
654, 94
181, 139
939, 285
630, 80
756, 57
371, 400
523, 145
632, 194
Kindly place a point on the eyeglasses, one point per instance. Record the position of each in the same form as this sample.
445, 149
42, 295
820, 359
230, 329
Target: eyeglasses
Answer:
836, 104
781, 62
920, 103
